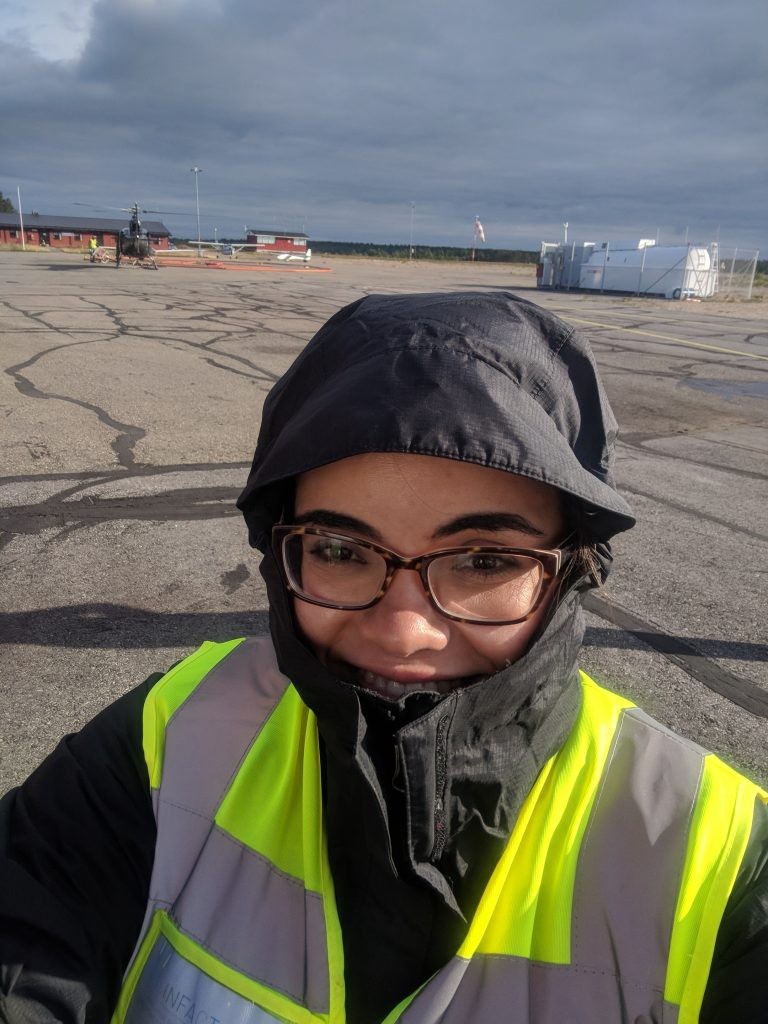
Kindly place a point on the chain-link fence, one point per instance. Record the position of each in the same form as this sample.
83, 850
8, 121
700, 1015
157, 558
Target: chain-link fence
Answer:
735, 270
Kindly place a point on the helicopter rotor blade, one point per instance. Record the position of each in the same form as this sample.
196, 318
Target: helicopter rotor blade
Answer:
170, 213
121, 209
138, 209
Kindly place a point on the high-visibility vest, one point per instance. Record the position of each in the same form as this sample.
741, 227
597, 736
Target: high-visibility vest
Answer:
604, 906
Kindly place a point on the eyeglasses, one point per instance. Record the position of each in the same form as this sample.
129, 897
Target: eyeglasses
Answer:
489, 585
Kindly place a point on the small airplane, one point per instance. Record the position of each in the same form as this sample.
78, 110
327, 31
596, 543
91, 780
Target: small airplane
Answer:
233, 248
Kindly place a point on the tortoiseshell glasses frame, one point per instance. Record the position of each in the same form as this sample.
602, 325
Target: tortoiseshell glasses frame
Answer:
550, 561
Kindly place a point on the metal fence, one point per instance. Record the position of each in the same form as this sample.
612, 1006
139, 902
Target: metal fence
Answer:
735, 269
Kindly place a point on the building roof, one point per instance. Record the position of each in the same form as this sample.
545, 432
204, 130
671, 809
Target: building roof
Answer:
279, 234
56, 222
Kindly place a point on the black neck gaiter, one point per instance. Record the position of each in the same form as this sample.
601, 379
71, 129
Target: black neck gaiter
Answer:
445, 773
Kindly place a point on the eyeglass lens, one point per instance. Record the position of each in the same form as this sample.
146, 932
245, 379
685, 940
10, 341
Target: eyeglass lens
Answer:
470, 584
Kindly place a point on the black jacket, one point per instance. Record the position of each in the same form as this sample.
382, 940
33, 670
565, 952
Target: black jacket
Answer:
76, 851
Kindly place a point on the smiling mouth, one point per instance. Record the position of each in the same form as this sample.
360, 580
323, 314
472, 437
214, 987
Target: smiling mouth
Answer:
393, 690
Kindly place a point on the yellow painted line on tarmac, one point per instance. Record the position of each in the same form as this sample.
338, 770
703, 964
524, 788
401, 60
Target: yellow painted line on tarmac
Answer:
635, 314
668, 337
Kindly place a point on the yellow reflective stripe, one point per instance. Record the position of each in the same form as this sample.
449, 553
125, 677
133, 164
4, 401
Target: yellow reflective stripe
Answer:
394, 1015
168, 694
132, 978
285, 764
526, 908
261, 995
720, 829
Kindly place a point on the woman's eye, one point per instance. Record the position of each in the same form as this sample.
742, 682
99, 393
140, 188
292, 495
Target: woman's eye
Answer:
332, 551
487, 564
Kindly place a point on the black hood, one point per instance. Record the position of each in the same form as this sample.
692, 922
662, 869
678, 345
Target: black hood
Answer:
480, 377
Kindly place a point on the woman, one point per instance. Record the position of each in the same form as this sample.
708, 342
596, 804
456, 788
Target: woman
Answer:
407, 804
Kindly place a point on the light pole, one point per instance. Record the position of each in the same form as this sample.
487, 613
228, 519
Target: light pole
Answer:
410, 246
21, 220
196, 171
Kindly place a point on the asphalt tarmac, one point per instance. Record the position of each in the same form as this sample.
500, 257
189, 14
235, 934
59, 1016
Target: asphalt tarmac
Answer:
130, 404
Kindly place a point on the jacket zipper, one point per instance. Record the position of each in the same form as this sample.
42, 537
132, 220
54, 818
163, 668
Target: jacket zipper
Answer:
441, 776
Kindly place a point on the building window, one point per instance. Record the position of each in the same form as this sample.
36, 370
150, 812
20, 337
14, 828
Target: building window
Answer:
14, 234
77, 237
57, 235
265, 239
299, 241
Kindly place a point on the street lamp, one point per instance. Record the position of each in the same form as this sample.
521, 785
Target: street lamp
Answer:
410, 246
196, 171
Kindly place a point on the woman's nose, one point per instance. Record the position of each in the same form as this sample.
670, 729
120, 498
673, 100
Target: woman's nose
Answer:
405, 621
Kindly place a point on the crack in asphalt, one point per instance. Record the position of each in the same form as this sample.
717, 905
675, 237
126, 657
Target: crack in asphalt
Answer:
683, 653
695, 512
240, 373
628, 441
186, 326
640, 437
139, 470
128, 435
189, 503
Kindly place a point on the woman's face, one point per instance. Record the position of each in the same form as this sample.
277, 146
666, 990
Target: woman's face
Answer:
415, 504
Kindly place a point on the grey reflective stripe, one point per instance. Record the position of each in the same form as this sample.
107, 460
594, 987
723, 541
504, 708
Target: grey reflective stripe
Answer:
633, 852
258, 920
625, 893
172, 990
203, 754
224, 896
180, 837
494, 989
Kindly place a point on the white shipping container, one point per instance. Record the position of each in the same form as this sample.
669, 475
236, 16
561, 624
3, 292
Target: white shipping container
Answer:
674, 271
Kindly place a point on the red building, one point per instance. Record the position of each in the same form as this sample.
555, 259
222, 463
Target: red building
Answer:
73, 232
292, 242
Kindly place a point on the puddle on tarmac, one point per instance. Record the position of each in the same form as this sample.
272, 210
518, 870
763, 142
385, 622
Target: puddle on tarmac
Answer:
729, 388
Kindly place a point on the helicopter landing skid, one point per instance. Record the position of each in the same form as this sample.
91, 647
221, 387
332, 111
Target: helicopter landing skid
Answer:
106, 255
147, 262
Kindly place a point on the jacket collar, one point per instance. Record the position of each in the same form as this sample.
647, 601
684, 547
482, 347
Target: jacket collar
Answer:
443, 776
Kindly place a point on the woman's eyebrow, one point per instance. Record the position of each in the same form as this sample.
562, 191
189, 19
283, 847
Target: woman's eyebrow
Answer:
490, 522
336, 521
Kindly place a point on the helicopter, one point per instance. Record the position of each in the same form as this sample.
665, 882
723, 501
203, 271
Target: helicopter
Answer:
133, 241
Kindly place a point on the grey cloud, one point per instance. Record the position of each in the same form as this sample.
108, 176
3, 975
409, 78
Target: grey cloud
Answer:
343, 112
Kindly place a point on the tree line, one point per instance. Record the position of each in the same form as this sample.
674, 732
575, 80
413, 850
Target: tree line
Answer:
424, 252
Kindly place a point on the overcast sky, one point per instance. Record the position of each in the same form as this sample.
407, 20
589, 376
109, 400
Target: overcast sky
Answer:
628, 121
